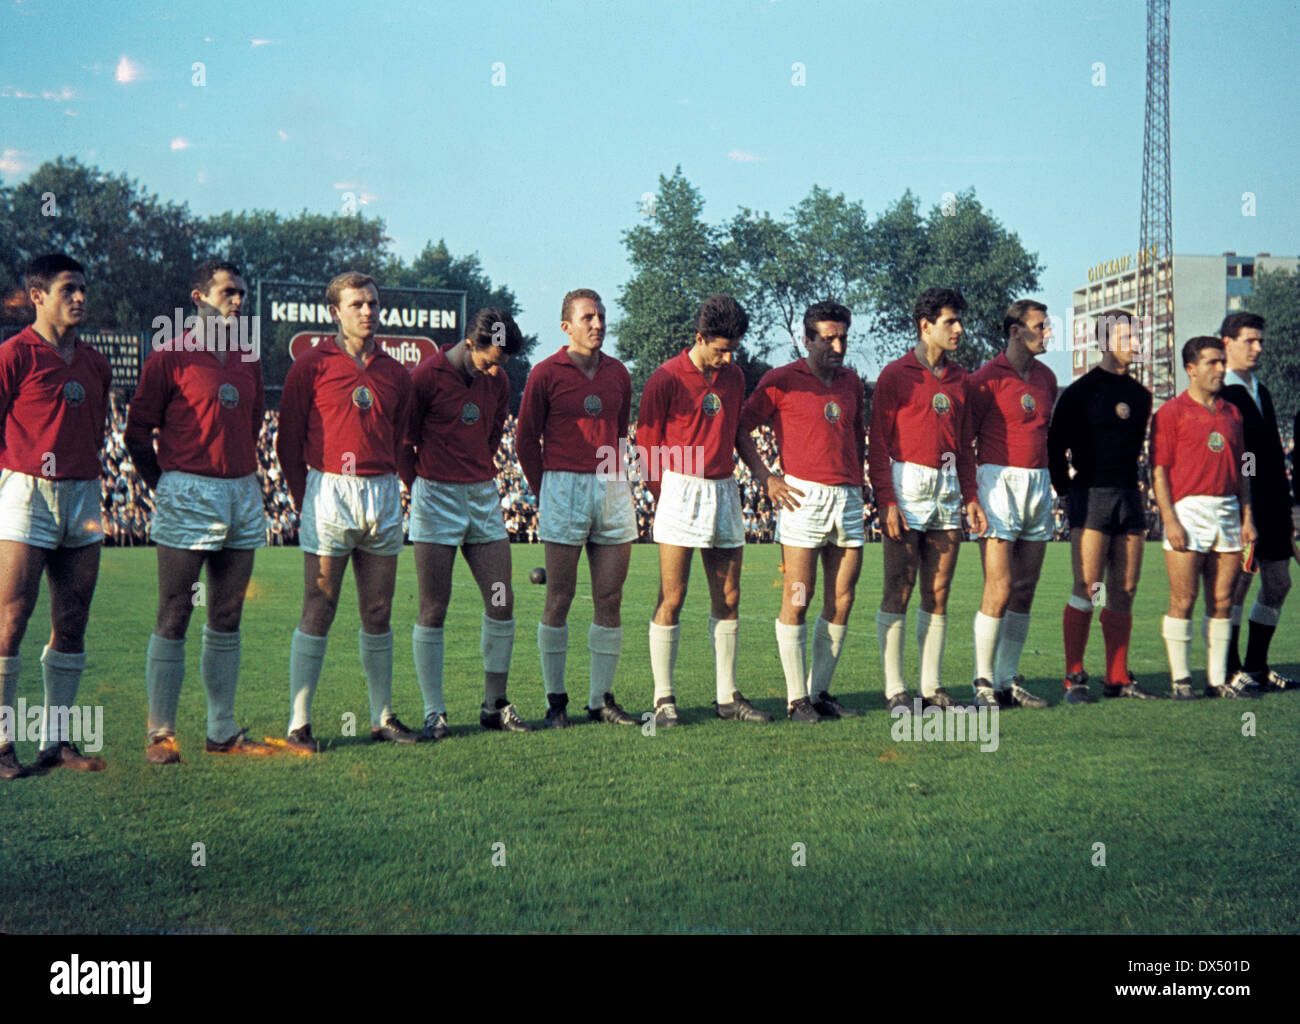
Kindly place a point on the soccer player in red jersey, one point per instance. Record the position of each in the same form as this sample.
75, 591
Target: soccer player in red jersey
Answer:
342, 420
1204, 498
815, 406
1101, 422
922, 473
688, 427
53, 409
1008, 407
572, 434
459, 401
205, 399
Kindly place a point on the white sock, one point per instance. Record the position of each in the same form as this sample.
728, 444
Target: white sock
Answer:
1081, 604
164, 672
1015, 631
606, 645
306, 656
987, 629
377, 663
1218, 638
828, 641
931, 632
553, 642
1264, 614
791, 644
1178, 645
9, 669
219, 670
426, 646
61, 674
889, 634
497, 642
663, 658
724, 635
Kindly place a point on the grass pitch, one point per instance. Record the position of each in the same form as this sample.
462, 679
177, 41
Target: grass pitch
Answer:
602, 828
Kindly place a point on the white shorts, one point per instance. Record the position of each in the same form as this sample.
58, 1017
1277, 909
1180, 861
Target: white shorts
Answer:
827, 514
1016, 501
207, 513
577, 508
456, 513
1212, 524
50, 514
694, 512
928, 498
342, 513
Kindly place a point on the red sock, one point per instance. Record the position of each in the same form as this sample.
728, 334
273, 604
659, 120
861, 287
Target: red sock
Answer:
1075, 625
1117, 629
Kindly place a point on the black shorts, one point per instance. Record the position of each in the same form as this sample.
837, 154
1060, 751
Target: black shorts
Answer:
1273, 521
1112, 510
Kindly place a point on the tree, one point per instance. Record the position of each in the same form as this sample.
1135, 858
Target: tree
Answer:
435, 267
138, 251
1277, 299
677, 261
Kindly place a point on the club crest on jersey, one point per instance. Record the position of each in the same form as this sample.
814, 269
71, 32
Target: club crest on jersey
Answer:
363, 398
592, 405
1216, 441
712, 404
469, 413
1123, 411
1027, 402
228, 396
73, 393
941, 404
832, 412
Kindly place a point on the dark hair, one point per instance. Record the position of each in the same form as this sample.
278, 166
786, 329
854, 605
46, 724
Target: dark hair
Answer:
493, 326
1195, 346
566, 309
1015, 314
933, 301
42, 271
348, 279
721, 316
201, 279
1234, 323
1108, 319
822, 311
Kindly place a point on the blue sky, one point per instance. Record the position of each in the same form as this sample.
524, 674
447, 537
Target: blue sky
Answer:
395, 104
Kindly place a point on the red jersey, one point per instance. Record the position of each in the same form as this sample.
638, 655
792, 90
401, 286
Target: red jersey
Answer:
339, 418
1200, 448
208, 415
819, 429
53, 414
456, 427
569, 422
919, 417
1007, 415
695, 421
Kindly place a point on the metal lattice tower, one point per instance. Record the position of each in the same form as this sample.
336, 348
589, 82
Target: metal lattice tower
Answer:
1156, 243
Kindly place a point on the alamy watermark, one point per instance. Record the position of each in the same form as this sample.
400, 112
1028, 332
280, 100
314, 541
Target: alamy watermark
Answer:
655, 461
958, 724
83, 725
194, 333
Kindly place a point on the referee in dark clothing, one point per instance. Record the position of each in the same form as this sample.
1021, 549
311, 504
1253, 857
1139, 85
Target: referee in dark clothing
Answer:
1243, 341
1101, 421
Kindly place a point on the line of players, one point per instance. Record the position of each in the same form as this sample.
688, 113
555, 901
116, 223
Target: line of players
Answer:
353, 422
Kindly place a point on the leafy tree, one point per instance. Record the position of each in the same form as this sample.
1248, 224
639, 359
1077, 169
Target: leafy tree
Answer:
1277, 299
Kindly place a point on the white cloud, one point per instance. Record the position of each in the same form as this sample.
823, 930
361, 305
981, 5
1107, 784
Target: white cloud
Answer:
61, 96
284, 136
180, 143
202, 178
343, 185
11, 162
127, 70
261, 42
740, 156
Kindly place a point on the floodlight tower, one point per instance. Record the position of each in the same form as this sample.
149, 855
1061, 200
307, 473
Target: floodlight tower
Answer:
1156, 242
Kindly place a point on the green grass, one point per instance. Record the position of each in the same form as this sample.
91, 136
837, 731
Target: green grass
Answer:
691, 830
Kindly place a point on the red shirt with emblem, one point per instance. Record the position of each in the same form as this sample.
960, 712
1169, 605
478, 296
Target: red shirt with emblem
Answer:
1007, 415
337, 417
1200, 448
694, 420
456, 427
569, 422
919, 417
208, 414
819, 429
53, 414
